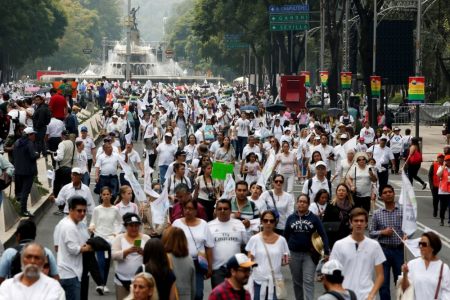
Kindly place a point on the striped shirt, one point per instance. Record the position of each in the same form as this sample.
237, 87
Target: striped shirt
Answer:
382, 219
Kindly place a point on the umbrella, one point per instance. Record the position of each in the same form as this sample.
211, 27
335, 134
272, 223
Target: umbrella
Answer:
205, 86
275, 108
334, 112
248, 107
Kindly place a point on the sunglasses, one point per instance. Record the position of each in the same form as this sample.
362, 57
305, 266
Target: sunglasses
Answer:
268, 221
278, 181
423, 244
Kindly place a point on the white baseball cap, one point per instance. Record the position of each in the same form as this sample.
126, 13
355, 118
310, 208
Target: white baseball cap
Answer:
77, 170
321, 163
29, 130
168, 134
331, 266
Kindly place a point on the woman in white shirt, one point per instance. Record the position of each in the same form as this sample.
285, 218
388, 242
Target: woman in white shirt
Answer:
105, 223
255, 194
360, 178
226, 152
343, 166
127, 251
286, 165
200, 241
315, 157
428, 274
320, 203
270, 251
191, 149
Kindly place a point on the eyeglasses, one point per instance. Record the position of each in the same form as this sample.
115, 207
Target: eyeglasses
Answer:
278, 181
268, 221
245, 270
423, 244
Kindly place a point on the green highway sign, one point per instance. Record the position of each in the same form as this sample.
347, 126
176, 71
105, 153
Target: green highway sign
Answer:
289, 27
237, 45
289, 18
233, 41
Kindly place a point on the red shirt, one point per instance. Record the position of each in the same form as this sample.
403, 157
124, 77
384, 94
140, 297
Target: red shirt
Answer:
177, 212
226, 291
58, 106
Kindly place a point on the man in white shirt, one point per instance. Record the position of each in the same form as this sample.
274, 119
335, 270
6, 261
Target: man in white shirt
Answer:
360, 257
326, 151
346, 119
89, 147
367, 133
229, 235
166, 152
106, 170
224, 119
75, 188
216, 144
71, 242
339, 153
31, 283
251, 147
53, 136
396, 145
115, 126
243, 126
382, 155
133, 160
318, 182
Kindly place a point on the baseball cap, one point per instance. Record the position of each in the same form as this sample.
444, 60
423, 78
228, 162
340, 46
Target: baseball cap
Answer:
131, 218
29, 130
115, 116
396, 129
287, 129
317, 137
180, 152
77, 171
331, 266
383, 137
168, 134
447, 157
362, 138
440, 155
321, 163
83, 129
344, 136
240, 260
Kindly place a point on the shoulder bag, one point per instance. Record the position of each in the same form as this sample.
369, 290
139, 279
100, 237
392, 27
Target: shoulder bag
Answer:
280, 286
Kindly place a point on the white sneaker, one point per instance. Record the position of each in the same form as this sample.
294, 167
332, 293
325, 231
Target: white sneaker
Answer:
105, 289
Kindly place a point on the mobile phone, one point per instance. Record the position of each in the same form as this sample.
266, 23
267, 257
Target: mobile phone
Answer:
370, 170
137, 243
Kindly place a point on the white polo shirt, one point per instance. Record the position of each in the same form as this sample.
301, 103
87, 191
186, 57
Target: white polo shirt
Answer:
166, 153
55, 128
88, 146
358, 262
315, 187
381, 155
69, 190
108, 164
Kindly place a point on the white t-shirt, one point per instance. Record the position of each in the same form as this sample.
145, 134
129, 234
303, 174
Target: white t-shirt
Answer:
166, 153
396, 143
228, 238
191, 152
317, 208
358, 262
324, 151
88, 146
108, 164
368, 134
198, 236
363, 183
45, 288
285, 205
381, 155
107, 222
315, 187
242, 127
286, 164
425, 280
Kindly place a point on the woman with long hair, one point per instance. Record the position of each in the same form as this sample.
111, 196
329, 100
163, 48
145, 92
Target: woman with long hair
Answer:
250, 168
428, 274
226, 152
176, 246
286, 165
336, 218
343, 166
156, 263
123, 202
191, 149
321, 201
207, 190
143, 287
414, 161
270, 251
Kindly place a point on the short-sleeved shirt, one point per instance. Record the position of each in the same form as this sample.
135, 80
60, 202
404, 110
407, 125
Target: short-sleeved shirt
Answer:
57, 105
198, 236
286, 165
247, 212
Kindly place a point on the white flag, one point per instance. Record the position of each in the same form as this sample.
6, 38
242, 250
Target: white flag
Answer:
160, 207
409, 203
229, 188
266, 172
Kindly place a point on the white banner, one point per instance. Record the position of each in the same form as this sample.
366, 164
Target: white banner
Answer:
350, 145
129, 176
229, 188
160, 207
267, 170
409, 203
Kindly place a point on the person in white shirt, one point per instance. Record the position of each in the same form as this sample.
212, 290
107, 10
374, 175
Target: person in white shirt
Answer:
32, 283
166, 152
106, 170
71, 243
277, 129
318, 182
243, 126
346, 119
252, 146
382, 155
75, 188
115, 126
326, 150
229, 235
368, 134
224, 118
361, 146
89, 147
81, 161
361, 257
132, 158
396, 145
216, 144
53, 136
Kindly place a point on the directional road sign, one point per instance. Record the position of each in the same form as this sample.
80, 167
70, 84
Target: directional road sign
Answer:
289, 17
293, 8
233, 41
288, 27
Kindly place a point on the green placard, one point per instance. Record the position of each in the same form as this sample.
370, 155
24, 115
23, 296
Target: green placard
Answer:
220, 170
289, 18
289, 27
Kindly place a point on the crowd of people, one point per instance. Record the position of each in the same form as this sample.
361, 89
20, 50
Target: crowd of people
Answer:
238, 238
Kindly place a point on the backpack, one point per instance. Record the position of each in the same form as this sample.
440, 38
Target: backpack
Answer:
310, 185
16, 263
5, 124
339, 296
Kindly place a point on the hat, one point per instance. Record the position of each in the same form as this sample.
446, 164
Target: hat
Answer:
78, 139
396, 129
83, 129
29, 130
362, 154
240, 260
440, 155
383, 137
287, 129
317, 242
130, 218
317, 137
362, 138
115, 116
180, 152
447, 157
331, 266
321, 163
77, 171
168, 134
122, 112
344, 136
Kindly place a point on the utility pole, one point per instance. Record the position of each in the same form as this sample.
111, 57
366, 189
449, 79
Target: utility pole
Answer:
373, 104
322, 34
104, 55
128, 55
346, 48
418, 58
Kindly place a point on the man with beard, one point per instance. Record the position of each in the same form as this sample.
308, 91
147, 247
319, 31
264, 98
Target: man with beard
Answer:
32, 283
239, 268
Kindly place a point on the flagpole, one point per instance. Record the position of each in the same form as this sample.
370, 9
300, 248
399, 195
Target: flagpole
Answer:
404, 246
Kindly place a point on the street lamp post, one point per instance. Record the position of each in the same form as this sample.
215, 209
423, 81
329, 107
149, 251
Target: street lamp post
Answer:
128, 55
418, 59
373, 104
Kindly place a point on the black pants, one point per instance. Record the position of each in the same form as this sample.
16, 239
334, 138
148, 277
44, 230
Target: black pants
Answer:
434, 193
89, 165
90, 266
397, 163
40, 143
52, 144
413, 170
444, 203
363, 202
218, 276
62, 177
137, 126
23, 184
383, 178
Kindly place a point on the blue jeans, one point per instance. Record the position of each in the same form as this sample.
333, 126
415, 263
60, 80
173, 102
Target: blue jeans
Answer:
103, 264
72, 287
86, 179
199, 285
394, 260
242, 141
1, 197
302, 269
257, 290
162, 173
112, 182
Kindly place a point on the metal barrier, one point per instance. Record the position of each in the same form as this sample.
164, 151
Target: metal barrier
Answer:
430, 115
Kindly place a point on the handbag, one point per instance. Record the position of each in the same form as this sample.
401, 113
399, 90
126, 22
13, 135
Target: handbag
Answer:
5, 180
201, 263
280, 286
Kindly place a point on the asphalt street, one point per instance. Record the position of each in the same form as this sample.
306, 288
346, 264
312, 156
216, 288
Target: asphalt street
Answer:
425, 222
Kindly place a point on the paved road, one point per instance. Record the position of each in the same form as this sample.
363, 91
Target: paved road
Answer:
425, 221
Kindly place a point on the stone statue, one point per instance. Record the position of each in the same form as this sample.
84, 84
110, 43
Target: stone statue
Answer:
133, 16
